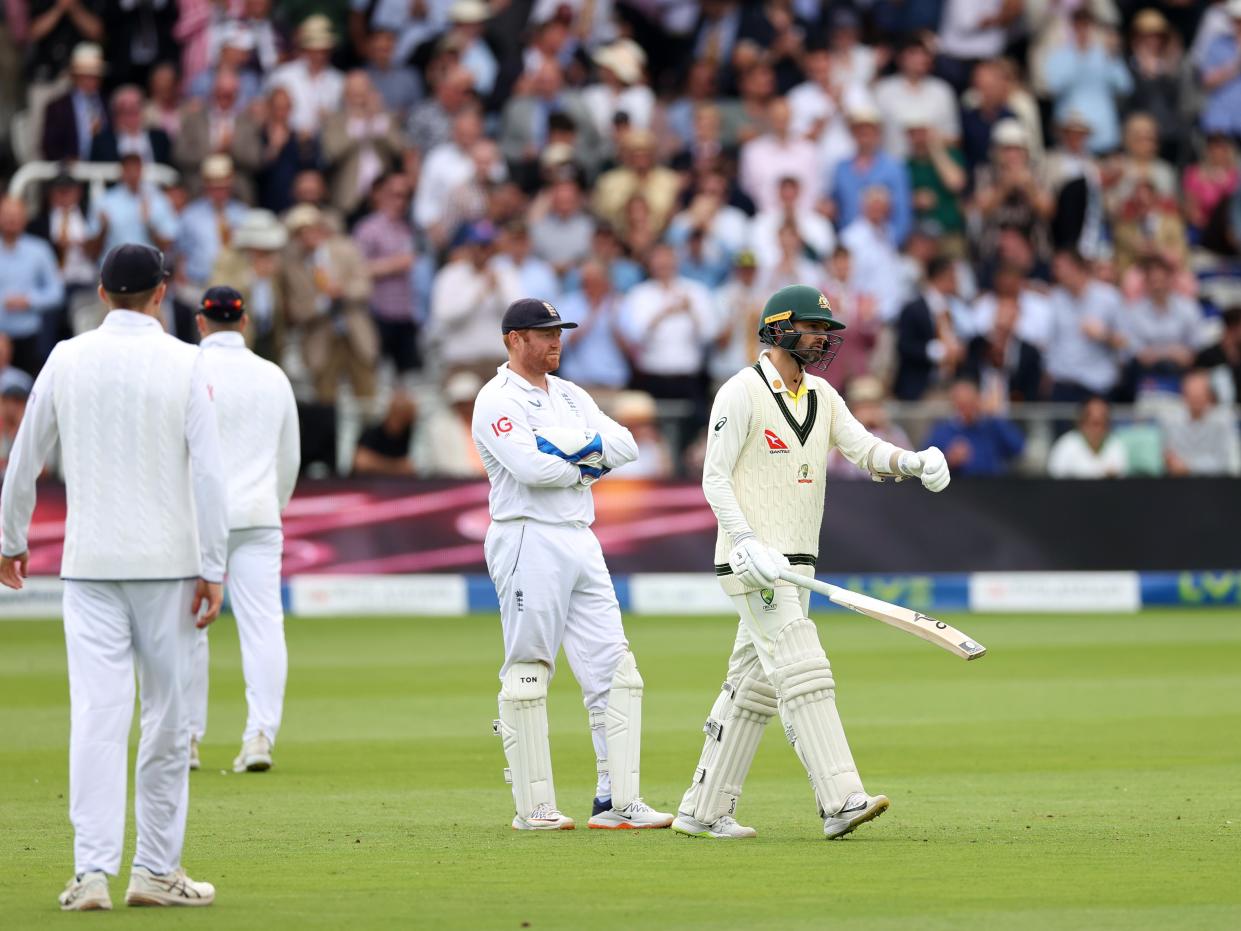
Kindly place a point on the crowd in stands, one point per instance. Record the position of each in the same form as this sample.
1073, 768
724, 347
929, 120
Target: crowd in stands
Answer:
1007, 202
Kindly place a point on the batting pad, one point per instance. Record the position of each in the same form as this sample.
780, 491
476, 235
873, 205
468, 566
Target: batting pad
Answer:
808, 706
734, 729
624, 730
523, 731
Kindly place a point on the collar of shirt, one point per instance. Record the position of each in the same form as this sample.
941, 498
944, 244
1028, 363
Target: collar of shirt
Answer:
224, 339
775, 381
130, 319
520, 382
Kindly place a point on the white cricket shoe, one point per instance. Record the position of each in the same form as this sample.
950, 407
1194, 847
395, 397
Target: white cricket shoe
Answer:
857, 810
175, 888
86, 892
194, 761
544, 818
636, 815
723, 827
255, 756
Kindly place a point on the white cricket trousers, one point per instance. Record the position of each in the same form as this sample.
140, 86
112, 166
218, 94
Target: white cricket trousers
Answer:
555, 590
111, 627
253, 580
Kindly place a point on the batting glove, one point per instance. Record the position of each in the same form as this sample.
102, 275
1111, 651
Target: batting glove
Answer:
756, 565
928, 465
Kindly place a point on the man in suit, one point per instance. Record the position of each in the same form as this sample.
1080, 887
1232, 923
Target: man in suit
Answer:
127, 134
361, 142
526, 125
71, 121
926, 343
208, 126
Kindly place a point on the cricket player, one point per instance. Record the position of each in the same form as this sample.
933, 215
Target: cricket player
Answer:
261, 445
146, 535
544, 442
772, 426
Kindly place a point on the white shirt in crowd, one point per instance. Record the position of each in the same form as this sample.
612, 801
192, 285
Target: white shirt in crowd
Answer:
1072, 457
467, 306
313, 96
130, 501
259, 434
765, 161
1034, 317
527, 483
670, 324
814, 229
899, 101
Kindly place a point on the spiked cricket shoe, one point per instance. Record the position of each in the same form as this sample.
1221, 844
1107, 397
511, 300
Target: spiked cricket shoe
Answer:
724, 827
175, 888
86, 892
255, 756
195, 763
544, 818
636, 815
857, 810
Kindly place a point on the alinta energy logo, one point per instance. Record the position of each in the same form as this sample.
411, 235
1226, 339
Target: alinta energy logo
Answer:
774, 443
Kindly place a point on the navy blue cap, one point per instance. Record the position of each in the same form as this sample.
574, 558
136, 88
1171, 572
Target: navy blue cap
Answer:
530, 313
131, 269
222, 304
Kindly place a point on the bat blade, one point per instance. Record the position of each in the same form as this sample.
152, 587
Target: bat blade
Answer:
921, 625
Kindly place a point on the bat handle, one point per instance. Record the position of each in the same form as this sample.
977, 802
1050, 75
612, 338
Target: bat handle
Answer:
808, 581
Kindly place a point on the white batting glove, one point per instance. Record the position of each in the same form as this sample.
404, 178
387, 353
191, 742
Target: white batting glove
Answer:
928, 465
756, 565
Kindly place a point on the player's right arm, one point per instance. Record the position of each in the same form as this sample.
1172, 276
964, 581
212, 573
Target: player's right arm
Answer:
500, 427
35, 438
289, 448
727, 434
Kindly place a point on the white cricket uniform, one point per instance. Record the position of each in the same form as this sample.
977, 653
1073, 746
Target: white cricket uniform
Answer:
261, 445
147, 517
553, 585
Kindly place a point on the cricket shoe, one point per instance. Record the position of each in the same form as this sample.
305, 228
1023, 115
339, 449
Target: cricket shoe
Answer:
255, 756
857, 810
634, 816
723, 827
195, 762
86, 892
175, 888
544, 818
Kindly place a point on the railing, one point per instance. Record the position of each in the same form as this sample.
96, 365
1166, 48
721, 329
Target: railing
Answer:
95, 175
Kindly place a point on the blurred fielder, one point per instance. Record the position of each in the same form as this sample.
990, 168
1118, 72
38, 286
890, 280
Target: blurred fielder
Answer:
772, 426
262, 452
544, 442
131, 408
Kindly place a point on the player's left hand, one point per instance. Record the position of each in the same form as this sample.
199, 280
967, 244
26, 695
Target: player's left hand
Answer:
208, 595
13, 570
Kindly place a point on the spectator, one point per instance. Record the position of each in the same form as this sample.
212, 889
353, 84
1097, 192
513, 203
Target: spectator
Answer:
527, 121
329, 295
871, 166
1223, 359
865, 396
126, 134
208, 128
163, 109
1158, 82
1085, 73
266, 147
1164, 329
147, 28
255, 19
30, 285
398, 84
1149, 224
638, 175
696, 94
1004, 365
620, 89
1140, 161
386, 242
1219, 70
791, 265
65, 227
859, 311
1210, 181
11, 375
235, 55
13, 397
314, 86
876, 262
360, 143
133, 210
636, 412
561, 235
605, 246
1092, 450
73, 120
738, 300
444, 169
975, 441
57, 29
1200, 435
1030, 309
207, 225
970, 31
938, 178
814, 229
984, 105
914, 92
535, 277
431, 119
384, 449
413, 25
251, 263
468, 18
1009, 193
1082, 358
468, 299
928, 349
855, 64
768, 161
1071, 175
817, 108
444, 442
594, 353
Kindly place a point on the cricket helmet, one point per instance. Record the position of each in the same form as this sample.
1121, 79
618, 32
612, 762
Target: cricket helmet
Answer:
799, 302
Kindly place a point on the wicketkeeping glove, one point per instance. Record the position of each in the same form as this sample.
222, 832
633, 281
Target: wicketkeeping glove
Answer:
572, 444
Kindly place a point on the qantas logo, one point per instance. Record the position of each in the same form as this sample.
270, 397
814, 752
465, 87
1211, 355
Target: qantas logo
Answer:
774, 443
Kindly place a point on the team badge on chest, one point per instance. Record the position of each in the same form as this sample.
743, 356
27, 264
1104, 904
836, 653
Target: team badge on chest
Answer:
803, 475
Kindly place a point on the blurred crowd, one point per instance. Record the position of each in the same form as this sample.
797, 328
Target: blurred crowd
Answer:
1007, 202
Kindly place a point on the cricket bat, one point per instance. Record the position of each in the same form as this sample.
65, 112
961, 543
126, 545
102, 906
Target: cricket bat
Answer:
913, 622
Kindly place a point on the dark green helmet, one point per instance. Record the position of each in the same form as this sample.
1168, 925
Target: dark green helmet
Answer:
786, 307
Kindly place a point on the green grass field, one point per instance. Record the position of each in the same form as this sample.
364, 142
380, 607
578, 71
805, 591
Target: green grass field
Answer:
1085, 774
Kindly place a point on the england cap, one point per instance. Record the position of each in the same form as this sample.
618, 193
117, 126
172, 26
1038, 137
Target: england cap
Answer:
222, 304
532, 314
131, 268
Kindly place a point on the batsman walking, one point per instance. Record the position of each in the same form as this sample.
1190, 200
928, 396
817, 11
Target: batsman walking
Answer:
772, 426
544, 443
